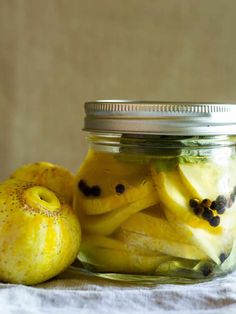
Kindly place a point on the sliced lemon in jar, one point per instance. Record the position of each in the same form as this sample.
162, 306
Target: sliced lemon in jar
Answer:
104, 184
154, 235
205, 180
112, 260
107, 223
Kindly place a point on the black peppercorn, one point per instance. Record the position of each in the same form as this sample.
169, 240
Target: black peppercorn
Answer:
223, 257
215, 221
81, 185
84, 188
220, 207
193, 202
206, 270
213, 205
221, 199
87, 191
95, 190
207, 214
198, 210
206, 203
120, 188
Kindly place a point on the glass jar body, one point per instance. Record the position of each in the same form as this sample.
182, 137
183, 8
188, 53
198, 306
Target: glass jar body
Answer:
158, 207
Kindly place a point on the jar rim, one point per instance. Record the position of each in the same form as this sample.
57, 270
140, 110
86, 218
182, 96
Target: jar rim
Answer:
160, 117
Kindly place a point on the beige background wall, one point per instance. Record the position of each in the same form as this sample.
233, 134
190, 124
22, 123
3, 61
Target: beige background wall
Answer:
56, 54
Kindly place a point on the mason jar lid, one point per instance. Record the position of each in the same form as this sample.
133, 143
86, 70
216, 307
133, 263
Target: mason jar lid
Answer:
161, 118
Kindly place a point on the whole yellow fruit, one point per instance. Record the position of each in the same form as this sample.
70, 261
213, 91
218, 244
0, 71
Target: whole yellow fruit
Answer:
39, 234
53, 177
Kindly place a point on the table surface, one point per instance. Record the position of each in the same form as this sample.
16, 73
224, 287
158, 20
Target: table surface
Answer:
82, 294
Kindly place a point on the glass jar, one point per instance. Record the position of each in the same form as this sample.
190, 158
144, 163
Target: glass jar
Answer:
156, 191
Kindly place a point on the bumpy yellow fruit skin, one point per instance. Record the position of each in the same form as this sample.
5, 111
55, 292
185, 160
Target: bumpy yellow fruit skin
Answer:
39, 234
53, 177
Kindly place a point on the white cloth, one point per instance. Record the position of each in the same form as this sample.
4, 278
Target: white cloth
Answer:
85, 295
